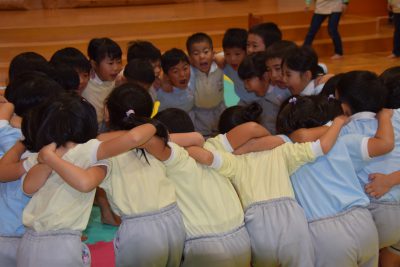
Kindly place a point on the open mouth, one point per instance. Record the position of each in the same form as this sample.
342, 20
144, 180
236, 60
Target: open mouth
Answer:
183, 82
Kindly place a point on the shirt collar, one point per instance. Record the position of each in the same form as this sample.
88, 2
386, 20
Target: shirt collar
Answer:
309, 90
97, 79
363, 115
213, 68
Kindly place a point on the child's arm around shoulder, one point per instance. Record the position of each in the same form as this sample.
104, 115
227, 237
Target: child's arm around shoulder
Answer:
308, 135
328, 139
381, 183
187, 139
242, 133
35, 178
6, 110
11, 165
383, 141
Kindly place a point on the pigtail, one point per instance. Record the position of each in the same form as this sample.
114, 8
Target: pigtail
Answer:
252, 112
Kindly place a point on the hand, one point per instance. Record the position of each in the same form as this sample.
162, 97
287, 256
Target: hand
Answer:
379, 185
47, 152
384, 112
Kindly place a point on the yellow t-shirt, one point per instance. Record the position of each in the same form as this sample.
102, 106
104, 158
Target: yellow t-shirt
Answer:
208, 201
264, 175
134, 186
57, 205
218, 143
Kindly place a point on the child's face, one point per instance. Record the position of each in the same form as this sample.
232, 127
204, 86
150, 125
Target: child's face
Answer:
295, 80
234, 56
257, 85
274, 69
156, 67
108, 68
179, 75
83, 80
255, 44
201, 56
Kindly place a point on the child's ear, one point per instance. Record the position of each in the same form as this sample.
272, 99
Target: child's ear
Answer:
307, 75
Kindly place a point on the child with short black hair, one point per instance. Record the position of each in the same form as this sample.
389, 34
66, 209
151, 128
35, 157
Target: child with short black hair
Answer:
27, 61
141, 72
207, 81
75, 59
176, 68
105, 58
261, 36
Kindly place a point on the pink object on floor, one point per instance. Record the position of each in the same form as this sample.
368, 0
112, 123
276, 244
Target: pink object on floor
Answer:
102, 254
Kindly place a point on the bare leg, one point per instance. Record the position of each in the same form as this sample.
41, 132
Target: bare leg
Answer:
107, 215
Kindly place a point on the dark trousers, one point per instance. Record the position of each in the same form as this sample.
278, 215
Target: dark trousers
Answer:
396, 35
333, 24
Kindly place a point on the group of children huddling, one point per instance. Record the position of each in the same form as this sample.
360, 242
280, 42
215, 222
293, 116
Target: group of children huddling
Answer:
303, 172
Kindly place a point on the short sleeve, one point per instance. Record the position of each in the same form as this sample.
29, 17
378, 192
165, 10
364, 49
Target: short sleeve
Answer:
297, 155
226, 164
357, 146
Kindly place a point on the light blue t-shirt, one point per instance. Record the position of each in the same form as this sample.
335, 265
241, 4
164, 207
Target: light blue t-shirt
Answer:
329, 185
245, 96
365, 123
178, 98
8, 136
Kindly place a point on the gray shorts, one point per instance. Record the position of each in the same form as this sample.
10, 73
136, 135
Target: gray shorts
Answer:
387, 220
279, 234
231, 249
61, 248
151, 239
206, 119
8, 250
347, 239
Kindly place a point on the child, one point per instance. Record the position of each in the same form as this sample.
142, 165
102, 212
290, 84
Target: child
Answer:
27, 61
207, 82
234, 44
76, 60
301, 72
324, 9
63, 185
152, 231
328, 189
362, 95
105, 58
176, 68
262, 182
211, 210
394, 6
141, 72
261, 36
254, 73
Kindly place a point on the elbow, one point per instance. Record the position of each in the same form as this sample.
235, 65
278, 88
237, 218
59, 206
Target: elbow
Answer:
199, 140
254, 127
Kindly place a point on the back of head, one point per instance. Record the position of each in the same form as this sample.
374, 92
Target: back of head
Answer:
176, 120
303, 59
100, 48
330, 86
279, 49
252, 66
268, 31
306, 112
391, 80
139, 70
67, 77
235, 38
198, 38
361, 91
172, 58
143, 50
237, 115
72, 57
30, 89
67, 118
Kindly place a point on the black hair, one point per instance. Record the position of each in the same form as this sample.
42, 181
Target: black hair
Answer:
176, 120
129, 106
100, 48
31, 89
67, 77
252, 66
237, 115
143, 50
198, 38
391, 80
71, 57
235, 38
362, 91
268, 31
303, 59
330, 85
306, 112
172, 58
279, 49
67, 118
139, 70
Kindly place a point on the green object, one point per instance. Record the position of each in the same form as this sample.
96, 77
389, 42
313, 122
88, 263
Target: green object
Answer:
97, 231
231, 99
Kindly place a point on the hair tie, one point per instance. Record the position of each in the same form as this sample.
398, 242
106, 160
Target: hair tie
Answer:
129, 112
293, 100
331, 97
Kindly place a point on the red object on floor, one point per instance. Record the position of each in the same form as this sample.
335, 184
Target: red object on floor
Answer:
102, 254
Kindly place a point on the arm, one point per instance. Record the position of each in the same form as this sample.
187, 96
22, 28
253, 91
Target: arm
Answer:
6, 111
383, 142
84, 180
187, 139
381, 183
259, 144
125, 141
11, 167
328, 139
36, 178
201, 155
242, 133
157, 148
308, 135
